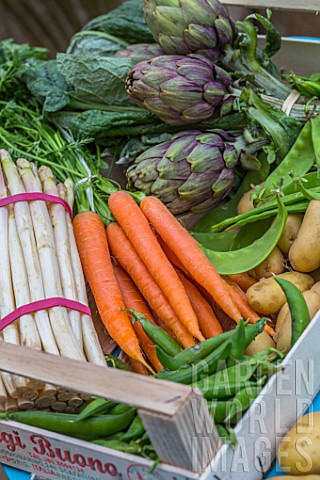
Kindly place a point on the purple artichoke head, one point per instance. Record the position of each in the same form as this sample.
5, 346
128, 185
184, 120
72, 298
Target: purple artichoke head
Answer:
193, 171
190, 26
179, 89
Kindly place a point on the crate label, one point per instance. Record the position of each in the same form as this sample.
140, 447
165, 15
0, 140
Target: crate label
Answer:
56, 459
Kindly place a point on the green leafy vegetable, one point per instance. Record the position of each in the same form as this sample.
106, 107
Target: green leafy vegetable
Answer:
95, 81
125, 22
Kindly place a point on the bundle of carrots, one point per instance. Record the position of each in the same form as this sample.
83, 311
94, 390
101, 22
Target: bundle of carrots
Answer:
39, 260
147, 261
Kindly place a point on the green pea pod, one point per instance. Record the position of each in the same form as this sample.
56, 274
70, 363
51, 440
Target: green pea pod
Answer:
98, 406
238, 341
120, 408
201, 350
207, 366
119, 445
135, 431
89, 429
220, 391
157, 334
298, 308
222, 431
219, 409
226, 382
244, 259
299, 160
242, 401
167, 361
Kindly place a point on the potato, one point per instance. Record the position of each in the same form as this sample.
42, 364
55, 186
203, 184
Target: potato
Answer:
316, 288
284, 334
245, 204
267, 297
304, 254
290, 231
281, 316
315, 274
272, 265
301, 477
299, 450
260, 343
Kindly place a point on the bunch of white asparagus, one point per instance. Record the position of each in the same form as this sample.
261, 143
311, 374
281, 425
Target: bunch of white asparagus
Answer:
38, 260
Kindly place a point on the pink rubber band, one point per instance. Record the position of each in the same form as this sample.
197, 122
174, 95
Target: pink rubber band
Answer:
31, 196
42, 305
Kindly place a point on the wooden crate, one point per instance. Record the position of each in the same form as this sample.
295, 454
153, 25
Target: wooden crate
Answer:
175, 416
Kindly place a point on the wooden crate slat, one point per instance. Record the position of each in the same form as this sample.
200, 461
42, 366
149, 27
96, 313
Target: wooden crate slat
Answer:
293, 5
138, 390
166, 408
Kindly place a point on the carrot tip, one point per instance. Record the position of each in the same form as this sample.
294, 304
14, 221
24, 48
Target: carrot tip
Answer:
144, 363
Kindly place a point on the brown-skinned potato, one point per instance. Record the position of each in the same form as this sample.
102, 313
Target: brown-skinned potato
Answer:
290, 232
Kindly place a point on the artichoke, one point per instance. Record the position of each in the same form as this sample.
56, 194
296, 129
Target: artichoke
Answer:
190, 26
179, 89
140, 52
193, 171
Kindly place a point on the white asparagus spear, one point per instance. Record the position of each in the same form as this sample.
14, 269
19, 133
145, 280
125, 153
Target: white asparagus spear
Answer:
92, 345
3, 392
29, 335
11, 405
7, 378
24, 404
28, 243
7, 302
60, 230
49, 267
75, 401
59, 406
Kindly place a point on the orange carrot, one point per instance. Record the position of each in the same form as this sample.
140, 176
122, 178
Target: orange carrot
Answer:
172, 256
133, 300
125, 254
209, 324
239, 297
139, 232
138, 367
96, 262
243, 280
187, 250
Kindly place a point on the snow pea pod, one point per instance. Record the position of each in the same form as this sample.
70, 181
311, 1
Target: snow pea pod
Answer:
89, 429
157, 334
298, 308
167, 361
249, 257
220, 241
192, 373
298, 160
